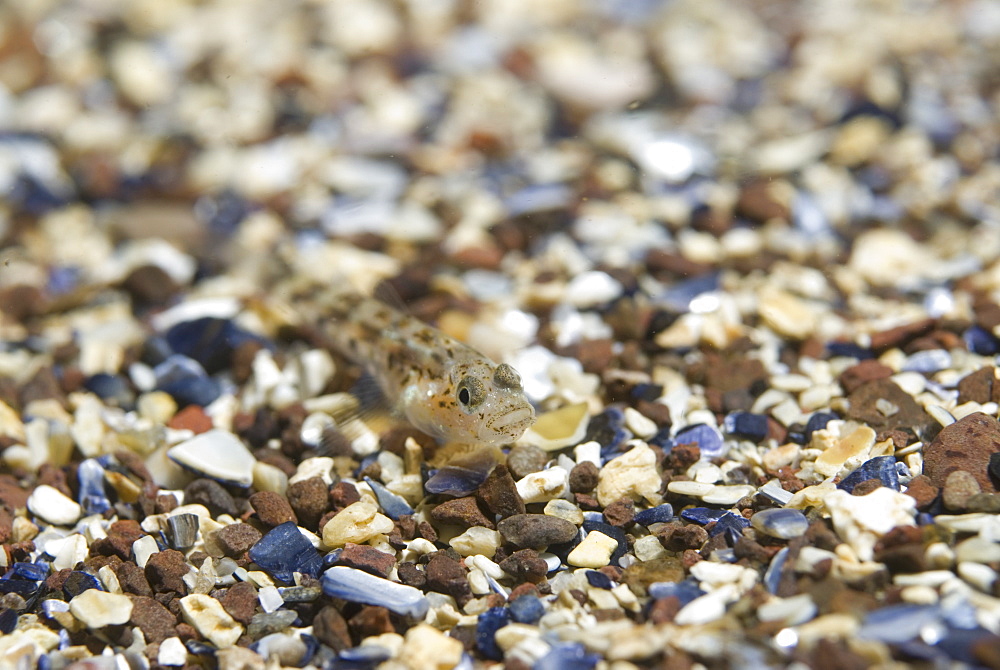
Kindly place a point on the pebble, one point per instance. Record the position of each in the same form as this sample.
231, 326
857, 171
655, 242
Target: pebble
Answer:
357, 523
210, 619
357, 586
536, 530
543, 486
217, 454
95, 608
861, 520
172, 652
633, 475
51, 505
959, 487
427, 648
965, 445
781, 523
285, 550
593, 552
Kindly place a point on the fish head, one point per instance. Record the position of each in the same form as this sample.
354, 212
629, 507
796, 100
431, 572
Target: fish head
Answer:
480, 403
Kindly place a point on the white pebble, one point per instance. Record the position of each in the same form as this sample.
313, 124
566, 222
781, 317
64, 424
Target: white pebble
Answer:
96, 609
544, 485
208, 616
217, 454
143, 548
633, 475
172, 652
594, 551
269, 598
49, 503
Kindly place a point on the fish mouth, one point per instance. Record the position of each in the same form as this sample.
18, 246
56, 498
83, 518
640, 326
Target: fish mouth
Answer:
514, 417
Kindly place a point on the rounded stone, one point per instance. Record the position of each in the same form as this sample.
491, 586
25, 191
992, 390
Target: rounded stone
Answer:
536, 530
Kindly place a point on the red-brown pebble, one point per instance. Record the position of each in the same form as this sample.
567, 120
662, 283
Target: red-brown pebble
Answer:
191, 418
310, 500
240, 601
272, 509
153, 619
463, 512
237, 538
367, 558
964, 445
165, 570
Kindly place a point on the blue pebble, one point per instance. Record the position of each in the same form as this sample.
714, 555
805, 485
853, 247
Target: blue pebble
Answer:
92, 498
210, 341
980, 341
708, 439
659, 514
772, 576
882, 468
898, 623
283, 551
731, 525
928, 361
22, 587
186, 381
678, 296
30, 571
52, 606
608, 428
663, 440
685, 591
702, 515
359, 586
108, 387
78, 582
63, 280
780, 522
487, 625
647, 392
746, 425
816, 422
849, 349
8, 621
613, 532
454, 480
199, 648
567, 656
366, 656
599, 580
394, 505
526, 609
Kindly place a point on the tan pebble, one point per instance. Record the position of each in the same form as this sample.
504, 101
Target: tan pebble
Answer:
208, 616
357, 523
847, 452
633, 475
594, 551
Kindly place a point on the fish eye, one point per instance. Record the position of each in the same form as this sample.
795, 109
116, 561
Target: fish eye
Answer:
471, 392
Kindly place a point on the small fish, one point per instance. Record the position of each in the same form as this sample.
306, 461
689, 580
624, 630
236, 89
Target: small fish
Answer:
441, 386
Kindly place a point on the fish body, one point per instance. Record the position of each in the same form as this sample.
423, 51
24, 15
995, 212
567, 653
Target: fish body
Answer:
442, 386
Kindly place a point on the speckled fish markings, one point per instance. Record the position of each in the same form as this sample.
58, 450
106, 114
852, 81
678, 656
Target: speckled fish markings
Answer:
440, 385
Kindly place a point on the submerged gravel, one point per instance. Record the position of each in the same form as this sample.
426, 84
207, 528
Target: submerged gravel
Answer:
744, 257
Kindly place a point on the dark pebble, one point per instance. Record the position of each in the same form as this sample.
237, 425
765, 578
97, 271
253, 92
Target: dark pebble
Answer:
499, 495
446, 575
212, 495
393, 505
583, 477
331, 629
536, 530
525, 566
882, 468
659, 514
746, 425
620, 513
463, 512
523, 460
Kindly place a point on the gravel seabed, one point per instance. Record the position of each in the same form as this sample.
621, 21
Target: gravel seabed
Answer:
744, 256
